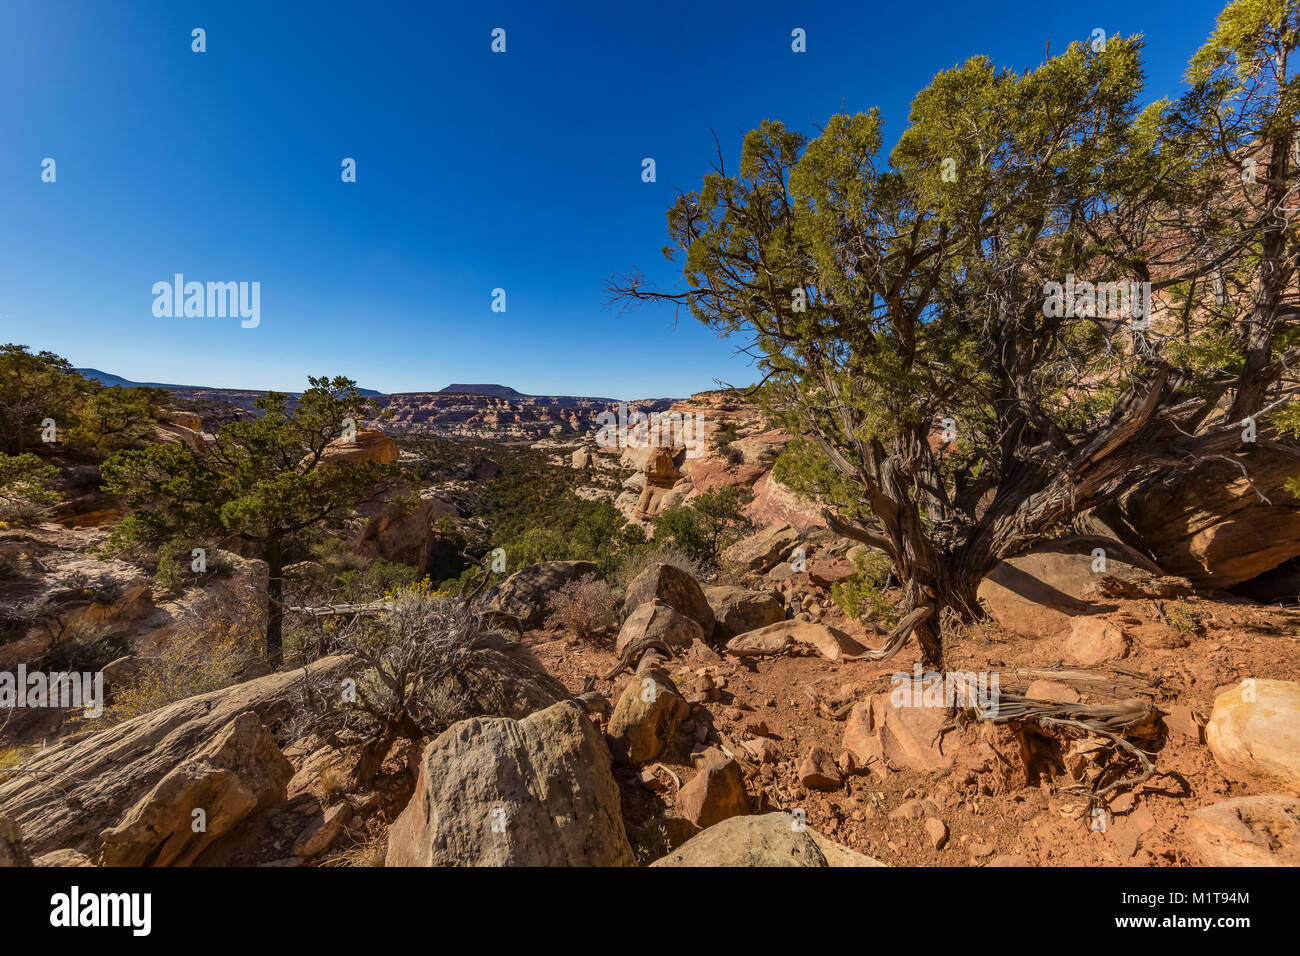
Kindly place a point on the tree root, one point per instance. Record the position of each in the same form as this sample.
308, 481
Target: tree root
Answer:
897, 637
1113, 722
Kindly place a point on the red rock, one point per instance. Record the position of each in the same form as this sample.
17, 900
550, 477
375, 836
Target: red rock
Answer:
824, 572
817, 770
1095, 640
716, 793
937, 831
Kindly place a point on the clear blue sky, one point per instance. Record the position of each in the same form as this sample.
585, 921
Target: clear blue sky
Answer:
475, 170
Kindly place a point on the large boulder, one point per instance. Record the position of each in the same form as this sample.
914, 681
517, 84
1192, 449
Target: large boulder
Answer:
763, 551
1247, 831
367, 444
673, 587
394, 526
523, 595
1209, 524
658, 621
771, 839
737, 610
783, 636
715, 793
1037, 592
899, 729
236, 774
647, 714
88, 784
500, 792
1254, 734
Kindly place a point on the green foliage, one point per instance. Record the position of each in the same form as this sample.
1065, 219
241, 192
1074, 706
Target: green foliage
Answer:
1287, 420
862, 595
712, 521
382, 578
88, 417
536, 516
262, 481
34, 387
904, 303
110, 419
24, 493
1182, 616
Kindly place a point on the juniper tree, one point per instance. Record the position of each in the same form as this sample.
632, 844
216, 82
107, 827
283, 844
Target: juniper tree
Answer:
261, 481
898, 306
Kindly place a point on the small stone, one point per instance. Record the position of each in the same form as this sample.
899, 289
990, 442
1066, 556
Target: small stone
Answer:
937, 831
817, 770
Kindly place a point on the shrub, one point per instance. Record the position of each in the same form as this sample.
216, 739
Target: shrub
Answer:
25, 498
586, 607
1181, 616
406, 664
650, 554
374, 582
703, 529
862, 595
82, 646
207, 652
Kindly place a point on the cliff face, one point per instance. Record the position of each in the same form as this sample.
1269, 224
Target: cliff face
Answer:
522, 417
710, 440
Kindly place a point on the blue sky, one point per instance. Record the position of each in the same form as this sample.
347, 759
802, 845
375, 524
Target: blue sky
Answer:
475, 170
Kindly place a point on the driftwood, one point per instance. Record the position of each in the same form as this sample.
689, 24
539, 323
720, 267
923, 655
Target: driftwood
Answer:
1122, 683
897, 637
470, 592
1114, 722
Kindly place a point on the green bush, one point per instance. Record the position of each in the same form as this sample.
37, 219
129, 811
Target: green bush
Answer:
862, 595
25, 497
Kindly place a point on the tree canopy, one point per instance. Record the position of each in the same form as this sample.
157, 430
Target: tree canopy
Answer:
1045, 290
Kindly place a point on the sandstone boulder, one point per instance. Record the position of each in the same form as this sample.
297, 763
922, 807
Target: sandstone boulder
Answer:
828, 642
368, 444
1247, 831
772, 839
647, 714
674, 587
523, 595
825, 572
88, 784
394, 526
1095, 640
1208, 523
1036, 593
739, 610
658, 621
1254, 734
905, 737
190, 420
236, 774
763, 551
714, 794
817, 770
500, 792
